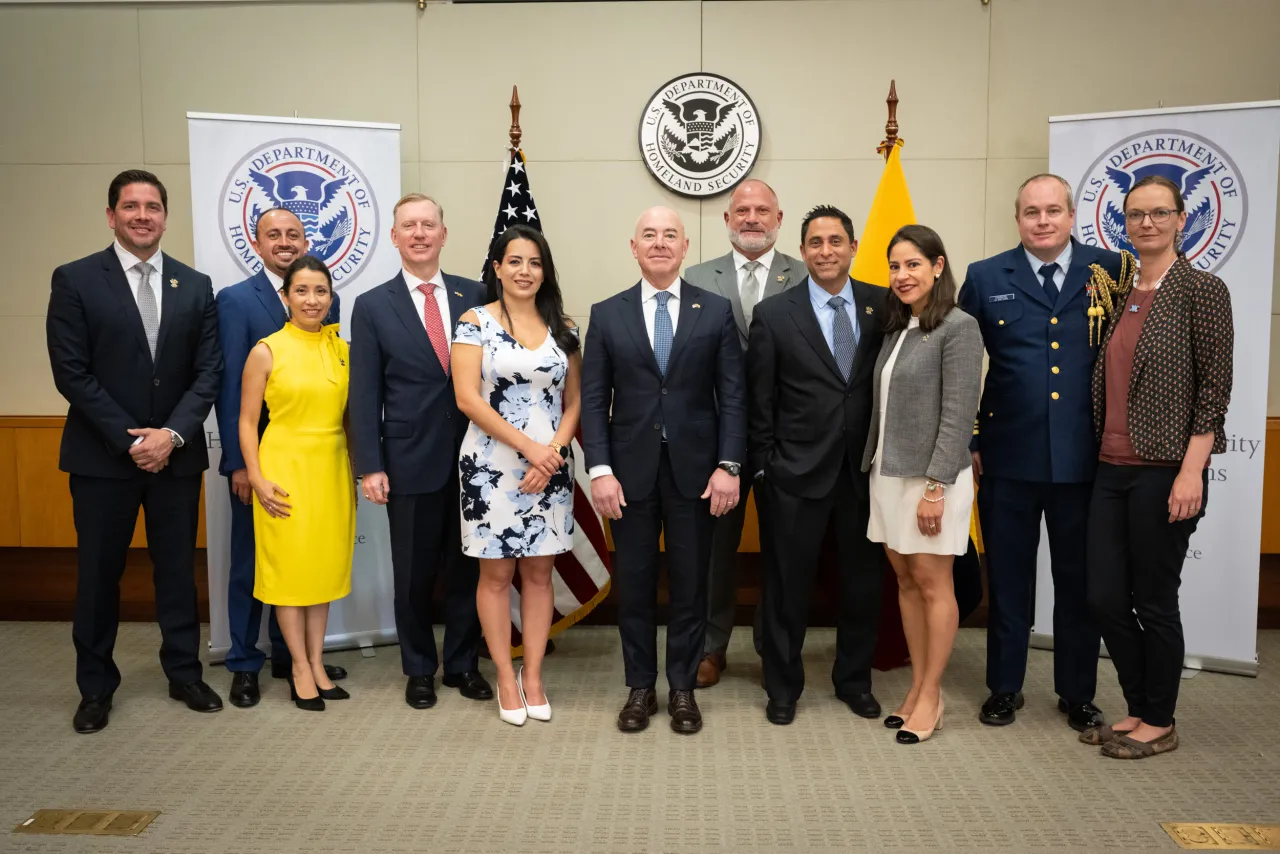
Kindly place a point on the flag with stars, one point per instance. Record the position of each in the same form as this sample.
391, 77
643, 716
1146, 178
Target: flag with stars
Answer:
581, 577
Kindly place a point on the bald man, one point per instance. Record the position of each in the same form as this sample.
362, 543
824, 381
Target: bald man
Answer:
752, 271
664, 431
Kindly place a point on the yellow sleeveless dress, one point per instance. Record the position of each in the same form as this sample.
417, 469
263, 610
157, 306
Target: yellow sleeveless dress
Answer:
305, 559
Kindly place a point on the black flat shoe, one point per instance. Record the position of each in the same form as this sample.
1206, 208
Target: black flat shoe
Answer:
1081, 716
334, 693
686, 718
313, 704
198, 696
91, 715
894, 722
780, 713
284, 669
244, 690
470, 685
420, 692
1001, 709
863, 705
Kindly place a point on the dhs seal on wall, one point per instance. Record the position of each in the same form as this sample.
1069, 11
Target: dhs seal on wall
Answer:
700, 135
1212, 191
317, 182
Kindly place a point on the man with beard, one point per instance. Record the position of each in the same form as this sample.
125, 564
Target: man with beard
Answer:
750, 272
248, 312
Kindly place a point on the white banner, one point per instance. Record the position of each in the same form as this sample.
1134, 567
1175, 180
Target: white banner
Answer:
1224, 159
342, 179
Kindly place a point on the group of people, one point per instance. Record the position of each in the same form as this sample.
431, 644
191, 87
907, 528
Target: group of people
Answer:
841, 404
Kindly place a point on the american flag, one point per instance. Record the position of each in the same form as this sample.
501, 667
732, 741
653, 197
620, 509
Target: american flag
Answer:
581, 576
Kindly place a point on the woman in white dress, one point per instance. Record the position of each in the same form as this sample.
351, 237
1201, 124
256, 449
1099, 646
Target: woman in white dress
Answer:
927, 383
516, 369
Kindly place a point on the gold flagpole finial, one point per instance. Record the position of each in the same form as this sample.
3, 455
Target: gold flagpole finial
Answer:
891, 126
515, 131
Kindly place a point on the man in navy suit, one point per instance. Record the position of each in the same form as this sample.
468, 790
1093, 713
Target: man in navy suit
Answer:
664, 432
248, 312
408, 431
133, 343
1033, 445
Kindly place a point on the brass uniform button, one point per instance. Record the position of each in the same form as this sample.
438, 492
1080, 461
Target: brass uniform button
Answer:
1053, 320
1054, 345
1001, 323
1055, 369
1054, 395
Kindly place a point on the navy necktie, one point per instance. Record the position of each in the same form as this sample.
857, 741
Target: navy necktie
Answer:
1050, 289
845, 344
662, 331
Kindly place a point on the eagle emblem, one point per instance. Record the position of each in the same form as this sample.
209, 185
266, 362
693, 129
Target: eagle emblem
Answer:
704, 138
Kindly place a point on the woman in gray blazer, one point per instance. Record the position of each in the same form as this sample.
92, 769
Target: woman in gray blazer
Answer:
928, 379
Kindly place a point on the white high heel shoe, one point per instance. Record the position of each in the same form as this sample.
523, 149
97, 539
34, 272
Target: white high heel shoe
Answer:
538, 713
515, 717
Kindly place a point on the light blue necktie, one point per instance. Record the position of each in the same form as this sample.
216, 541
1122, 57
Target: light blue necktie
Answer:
662, 332
845, 343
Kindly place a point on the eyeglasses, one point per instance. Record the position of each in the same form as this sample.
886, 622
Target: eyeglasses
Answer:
1159, 216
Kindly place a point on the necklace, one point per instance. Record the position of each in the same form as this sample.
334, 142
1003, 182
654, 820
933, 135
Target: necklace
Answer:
1134, 308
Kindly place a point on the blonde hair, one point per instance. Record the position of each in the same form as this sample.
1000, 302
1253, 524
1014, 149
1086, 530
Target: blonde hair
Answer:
416, 197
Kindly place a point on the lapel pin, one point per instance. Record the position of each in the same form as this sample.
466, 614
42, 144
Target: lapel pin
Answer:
173, 283
457, 293
697, 305
782, 278
870, 310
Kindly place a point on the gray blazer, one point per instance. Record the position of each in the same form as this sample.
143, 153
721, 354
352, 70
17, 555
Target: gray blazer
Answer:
719, 276
933, 398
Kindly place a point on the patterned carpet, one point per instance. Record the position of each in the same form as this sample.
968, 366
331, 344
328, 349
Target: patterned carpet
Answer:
372, 775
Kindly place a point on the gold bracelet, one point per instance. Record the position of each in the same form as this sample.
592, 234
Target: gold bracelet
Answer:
556, 446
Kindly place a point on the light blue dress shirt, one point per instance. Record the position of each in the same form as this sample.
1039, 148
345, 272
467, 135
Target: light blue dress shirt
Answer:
827, 315
1063, 261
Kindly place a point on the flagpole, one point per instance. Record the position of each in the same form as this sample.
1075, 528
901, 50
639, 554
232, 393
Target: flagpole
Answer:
890, 127
514, 132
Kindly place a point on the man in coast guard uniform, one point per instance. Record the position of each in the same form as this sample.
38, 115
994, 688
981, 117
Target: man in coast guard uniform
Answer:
248, 312
1033, 445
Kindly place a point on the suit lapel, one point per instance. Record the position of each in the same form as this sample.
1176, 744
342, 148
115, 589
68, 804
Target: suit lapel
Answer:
169, 298
119, 285
269, 297
1077, 275
1155, 316
781, 272
867, 321
1022, 277
807, 322
457, 303
727, 283
633, 319
402, 304
690, 312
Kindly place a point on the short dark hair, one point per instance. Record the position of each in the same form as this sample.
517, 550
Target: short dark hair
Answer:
257, 223
135, 176
306, 262
820, 211
943, 296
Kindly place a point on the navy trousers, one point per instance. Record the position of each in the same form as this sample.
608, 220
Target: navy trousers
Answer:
244, 613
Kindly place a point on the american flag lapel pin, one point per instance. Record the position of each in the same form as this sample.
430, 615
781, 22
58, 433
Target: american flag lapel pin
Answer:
697, 305
173, 283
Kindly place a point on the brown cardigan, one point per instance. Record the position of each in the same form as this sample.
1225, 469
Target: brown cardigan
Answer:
1181, 382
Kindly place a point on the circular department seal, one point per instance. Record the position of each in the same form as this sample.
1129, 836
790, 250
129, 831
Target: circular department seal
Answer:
1212, 191
700, 135
317, 182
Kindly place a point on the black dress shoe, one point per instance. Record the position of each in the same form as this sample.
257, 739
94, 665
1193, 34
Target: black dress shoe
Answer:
686, 719
1000, 709
284, 669
780, 713
91, 715
334, 693
1081, 716
863, 705
642, 703
420, 692
244, 690
470, 685
198, 696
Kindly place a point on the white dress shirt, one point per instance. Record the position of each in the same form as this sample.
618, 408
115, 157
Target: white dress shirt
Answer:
1063, 261
133, 275
277, 283
438, 291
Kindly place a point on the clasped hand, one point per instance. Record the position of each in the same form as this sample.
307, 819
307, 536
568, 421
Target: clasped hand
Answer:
152, 453
544, 462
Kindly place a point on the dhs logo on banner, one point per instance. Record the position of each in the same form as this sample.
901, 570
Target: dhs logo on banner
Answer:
700, 135
321, 185
1212, 192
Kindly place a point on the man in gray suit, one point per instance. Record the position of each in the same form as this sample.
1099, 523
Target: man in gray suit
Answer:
751, 271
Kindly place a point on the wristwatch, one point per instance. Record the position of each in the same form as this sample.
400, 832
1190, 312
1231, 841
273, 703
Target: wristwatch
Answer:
732, 468
560, 449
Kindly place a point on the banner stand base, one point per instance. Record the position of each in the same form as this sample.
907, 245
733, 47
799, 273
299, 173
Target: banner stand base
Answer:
1211, 663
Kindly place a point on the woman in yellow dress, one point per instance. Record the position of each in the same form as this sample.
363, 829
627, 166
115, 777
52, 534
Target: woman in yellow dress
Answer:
304, 513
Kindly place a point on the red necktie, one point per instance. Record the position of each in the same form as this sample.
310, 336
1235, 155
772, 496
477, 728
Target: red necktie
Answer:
435, 326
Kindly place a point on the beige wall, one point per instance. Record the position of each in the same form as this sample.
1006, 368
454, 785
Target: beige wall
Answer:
88, 90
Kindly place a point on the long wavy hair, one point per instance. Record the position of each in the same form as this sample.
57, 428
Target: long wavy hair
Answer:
943, 296
548, 300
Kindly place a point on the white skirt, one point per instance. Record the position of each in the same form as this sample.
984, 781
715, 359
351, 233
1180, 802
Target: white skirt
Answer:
894, 502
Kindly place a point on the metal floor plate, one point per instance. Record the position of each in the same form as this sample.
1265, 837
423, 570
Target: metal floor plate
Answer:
1221, 836
89, 822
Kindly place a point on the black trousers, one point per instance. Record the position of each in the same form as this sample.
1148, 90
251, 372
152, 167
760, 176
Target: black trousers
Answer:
687, 524
1010, 512
105, 512
722, 583
1135, 570
792, 530
426, 543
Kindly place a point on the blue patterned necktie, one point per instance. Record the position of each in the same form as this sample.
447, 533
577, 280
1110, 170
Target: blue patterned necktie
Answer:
1050, 288
662, 331
845, 343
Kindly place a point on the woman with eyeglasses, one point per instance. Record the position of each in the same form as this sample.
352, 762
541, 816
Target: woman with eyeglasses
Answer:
1161, 386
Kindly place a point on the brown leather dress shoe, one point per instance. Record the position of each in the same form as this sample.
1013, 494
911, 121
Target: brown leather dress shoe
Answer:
710, 668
